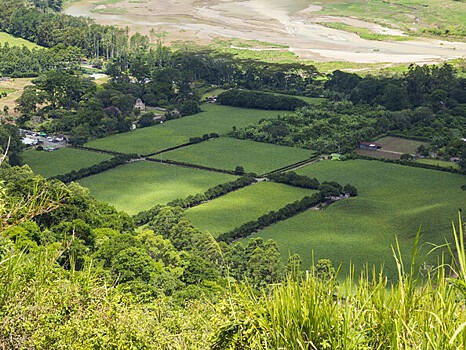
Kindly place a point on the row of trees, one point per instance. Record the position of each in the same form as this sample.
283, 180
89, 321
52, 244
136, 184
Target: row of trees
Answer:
293, 179
270, 218
17, 62
260, 100
75, 175
214, 192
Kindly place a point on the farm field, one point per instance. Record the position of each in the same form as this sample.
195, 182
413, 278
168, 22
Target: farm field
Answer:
393, 200
227, 153
141, 185
214, 118
437, 162
61, 161
397, 144
234, 209
13, 41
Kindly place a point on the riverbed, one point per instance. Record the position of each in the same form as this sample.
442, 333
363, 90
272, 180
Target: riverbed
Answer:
283, 22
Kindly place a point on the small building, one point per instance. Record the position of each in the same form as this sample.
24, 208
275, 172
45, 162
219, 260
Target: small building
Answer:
335, 156
139, 104
370, 146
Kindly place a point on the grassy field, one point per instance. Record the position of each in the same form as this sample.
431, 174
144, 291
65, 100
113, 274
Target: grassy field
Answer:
214, 118
141, 185
61, 161
393, 200
409, 15
227, 153
437, 162
397, 144
225, 213
13, 41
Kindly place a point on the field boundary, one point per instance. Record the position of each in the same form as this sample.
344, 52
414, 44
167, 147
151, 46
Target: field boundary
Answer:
114, 153
189, 165
178, 147
292, 166
409, 163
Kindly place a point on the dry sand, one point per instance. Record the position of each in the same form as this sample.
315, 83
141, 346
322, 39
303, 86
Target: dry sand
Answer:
284, 22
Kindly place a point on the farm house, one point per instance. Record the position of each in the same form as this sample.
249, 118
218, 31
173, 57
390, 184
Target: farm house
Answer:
370, 146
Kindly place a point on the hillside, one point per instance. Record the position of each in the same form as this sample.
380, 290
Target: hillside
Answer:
165, 194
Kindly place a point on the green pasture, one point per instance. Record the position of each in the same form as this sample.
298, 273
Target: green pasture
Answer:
227, 153
61, 161
409, 15
141, 185
214, 118
13, 41
234, 209
397, 144
394, 201
441, 163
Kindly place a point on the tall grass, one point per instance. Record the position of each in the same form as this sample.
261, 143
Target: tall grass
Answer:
364, 312
43, 306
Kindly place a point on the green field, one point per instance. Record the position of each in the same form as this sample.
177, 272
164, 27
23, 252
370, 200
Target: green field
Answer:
227, 153
441, 163
225, 213
397, 144
13, 41
61, 161
393, 200
214, 118
141, 185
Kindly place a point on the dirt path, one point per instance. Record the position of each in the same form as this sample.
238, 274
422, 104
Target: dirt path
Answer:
284, 22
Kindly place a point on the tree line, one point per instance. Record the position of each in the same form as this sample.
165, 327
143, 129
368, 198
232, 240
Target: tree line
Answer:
75, 175
260, 100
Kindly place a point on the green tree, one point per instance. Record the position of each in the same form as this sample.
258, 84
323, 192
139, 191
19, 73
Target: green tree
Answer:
133, 264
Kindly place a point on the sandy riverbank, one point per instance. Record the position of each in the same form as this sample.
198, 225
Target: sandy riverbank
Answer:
294, 24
